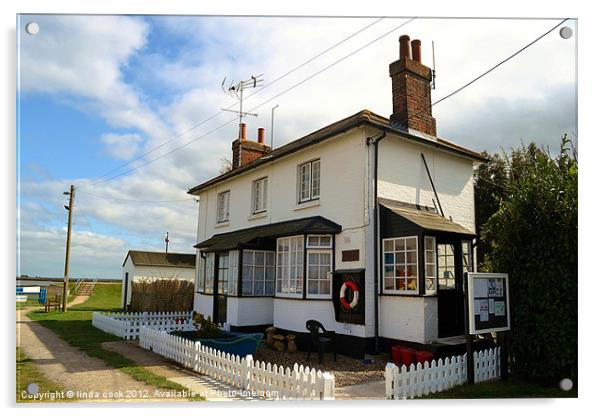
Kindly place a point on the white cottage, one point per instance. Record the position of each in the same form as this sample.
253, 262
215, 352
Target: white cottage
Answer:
140, 265
365, 225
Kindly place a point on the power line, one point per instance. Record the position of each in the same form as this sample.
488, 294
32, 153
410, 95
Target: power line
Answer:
138, 200
498, 64
95, 180
262, 104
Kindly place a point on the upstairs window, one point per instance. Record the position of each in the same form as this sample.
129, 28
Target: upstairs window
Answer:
223, 206
400, 261
309, 181
260, 195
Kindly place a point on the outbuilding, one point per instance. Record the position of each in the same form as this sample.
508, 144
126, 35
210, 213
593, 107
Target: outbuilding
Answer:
140, 265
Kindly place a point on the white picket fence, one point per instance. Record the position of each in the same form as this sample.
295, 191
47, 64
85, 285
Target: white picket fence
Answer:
439, 375
128, 325
264, 379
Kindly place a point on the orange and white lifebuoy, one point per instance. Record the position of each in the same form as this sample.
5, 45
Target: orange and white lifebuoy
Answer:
356, 295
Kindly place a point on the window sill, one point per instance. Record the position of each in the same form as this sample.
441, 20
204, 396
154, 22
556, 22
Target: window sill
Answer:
258, 215
292, 297
307, 204
401, 293
319, 297
222, 224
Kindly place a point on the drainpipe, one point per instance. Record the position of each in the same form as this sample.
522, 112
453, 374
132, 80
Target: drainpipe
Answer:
374, 141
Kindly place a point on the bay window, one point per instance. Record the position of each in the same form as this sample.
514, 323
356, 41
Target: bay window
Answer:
400, 265
430, 266
319, 266
209, 271
289, 266
258, 273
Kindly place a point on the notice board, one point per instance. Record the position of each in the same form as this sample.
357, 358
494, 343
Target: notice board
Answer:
488, 303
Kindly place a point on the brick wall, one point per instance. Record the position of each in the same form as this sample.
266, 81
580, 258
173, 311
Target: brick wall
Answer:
411, 84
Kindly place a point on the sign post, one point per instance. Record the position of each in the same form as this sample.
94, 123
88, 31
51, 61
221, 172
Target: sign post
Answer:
487, 309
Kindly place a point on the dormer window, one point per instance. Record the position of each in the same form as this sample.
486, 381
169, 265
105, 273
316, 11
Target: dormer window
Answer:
223, 206
309, 181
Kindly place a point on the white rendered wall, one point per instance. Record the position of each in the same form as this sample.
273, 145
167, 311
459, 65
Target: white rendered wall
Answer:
292, 314
402, 177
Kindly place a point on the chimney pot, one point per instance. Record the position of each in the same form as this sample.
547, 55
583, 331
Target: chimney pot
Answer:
260, 135
416, 52
404, 47
243, 131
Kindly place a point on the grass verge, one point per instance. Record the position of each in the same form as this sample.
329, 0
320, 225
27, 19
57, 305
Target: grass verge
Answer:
510, 389
27, 373
75, 327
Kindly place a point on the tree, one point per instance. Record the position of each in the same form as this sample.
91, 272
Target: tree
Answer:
533, 237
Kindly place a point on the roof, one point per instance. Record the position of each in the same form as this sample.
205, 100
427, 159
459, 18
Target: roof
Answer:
428, 220
364, 117
153, 258
241, 238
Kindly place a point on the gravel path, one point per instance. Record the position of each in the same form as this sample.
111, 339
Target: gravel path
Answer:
87, 378
347, 371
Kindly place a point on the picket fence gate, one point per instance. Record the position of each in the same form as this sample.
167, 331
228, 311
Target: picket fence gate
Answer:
439, 375
245, 373
128, 325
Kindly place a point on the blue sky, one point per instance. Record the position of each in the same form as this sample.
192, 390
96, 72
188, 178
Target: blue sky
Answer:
98, 92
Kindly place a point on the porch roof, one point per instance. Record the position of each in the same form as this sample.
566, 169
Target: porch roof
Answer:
245, 237
428, 220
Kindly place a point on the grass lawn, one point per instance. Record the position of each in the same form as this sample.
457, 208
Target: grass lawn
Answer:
28, 373
510, 389
75, 327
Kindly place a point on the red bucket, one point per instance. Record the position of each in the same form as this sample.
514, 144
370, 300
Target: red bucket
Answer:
396, 353
403, 355
408, 355
423, 356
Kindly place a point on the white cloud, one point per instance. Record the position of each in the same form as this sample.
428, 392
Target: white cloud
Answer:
121, 146
528, 98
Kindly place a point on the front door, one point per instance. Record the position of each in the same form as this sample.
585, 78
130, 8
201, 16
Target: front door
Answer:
449, 288
220, 287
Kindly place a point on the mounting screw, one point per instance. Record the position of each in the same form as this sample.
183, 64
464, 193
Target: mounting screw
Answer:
566, 32
32, 28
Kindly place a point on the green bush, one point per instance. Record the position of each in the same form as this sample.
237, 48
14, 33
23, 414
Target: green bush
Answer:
533, 237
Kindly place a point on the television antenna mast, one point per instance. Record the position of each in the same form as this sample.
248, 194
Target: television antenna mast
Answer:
236, 91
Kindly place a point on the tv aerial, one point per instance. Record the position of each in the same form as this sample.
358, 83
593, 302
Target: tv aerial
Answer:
236, 91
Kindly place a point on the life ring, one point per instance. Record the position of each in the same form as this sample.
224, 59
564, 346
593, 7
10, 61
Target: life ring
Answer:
356, 295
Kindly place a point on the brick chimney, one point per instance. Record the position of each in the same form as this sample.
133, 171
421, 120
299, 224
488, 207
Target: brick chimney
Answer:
245, 151
411, 89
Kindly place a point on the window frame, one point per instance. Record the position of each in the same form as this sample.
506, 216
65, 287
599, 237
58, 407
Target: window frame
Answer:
209, 264
289, 265
253, 267
255, 189
318, 251
405, 278
435, 264
320, 236
221, 220
310, 184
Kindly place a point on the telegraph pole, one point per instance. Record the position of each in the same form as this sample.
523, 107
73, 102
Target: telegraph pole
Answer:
69, 208
166, 241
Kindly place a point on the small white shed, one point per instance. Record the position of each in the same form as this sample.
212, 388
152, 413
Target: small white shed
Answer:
140, 265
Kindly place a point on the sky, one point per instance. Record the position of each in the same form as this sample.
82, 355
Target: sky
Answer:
121, 107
